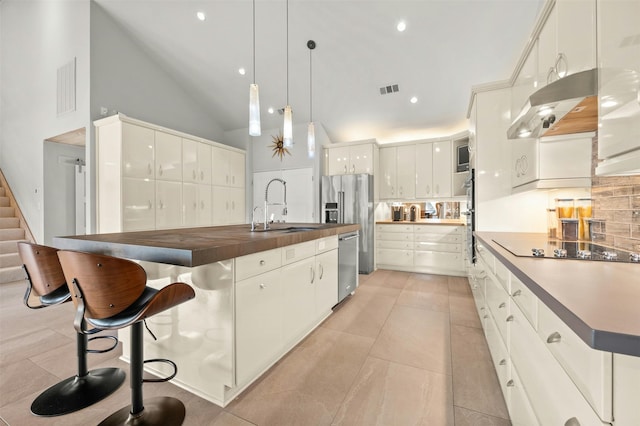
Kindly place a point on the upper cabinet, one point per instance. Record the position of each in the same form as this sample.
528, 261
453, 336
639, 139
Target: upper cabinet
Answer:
228, 167
398, 171
350, 159
619, 87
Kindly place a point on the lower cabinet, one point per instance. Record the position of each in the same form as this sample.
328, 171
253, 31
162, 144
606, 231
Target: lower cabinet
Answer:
227, 205
280, 296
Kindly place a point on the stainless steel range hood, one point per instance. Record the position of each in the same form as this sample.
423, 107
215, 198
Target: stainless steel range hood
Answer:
566, 106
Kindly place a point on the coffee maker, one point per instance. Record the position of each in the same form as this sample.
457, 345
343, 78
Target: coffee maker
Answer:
397, 213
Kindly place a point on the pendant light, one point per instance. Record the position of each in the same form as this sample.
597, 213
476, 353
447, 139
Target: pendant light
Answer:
254, 96
287, 130
311, 131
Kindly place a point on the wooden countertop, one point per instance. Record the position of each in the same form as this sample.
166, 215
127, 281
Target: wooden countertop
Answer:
599, 301
457, 222
199, 246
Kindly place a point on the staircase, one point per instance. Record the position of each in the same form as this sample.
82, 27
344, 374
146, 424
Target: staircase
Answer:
10, 234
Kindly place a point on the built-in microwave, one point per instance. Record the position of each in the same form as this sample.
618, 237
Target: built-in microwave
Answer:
462, 164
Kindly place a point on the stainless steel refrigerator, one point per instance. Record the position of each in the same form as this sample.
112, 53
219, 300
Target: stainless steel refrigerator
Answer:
349, 199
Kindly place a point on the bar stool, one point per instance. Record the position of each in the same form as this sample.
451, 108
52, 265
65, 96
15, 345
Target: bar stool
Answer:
111, 293
46, 280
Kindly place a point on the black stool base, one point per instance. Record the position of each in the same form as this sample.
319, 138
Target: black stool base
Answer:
164, 411
76, 393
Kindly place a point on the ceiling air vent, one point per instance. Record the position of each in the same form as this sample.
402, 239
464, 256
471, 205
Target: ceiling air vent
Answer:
389, 89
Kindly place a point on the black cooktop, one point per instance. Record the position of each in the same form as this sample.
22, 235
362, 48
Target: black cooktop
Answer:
543, 247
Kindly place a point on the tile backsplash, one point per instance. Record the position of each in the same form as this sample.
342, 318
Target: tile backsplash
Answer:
616, 200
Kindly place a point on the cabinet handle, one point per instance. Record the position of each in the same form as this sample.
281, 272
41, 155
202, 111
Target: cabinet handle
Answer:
503, 362
161, 204
486, 316
313, 274
428, 189
321, 271
400, 190
509, 318
510, 384
150, 205
149, 169
554, 337
160, 169
552, 75
195, 205
517, 293
353, 168
226, 178
345, 169
202, 205
502, 305
482, 308
194, 174
262, 262
562, 65
201, 174
262, 286
572, 422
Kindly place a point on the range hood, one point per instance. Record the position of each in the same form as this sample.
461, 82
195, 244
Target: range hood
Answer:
566, 106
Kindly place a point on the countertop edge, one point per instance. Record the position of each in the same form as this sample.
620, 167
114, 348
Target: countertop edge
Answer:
604, 340
450, 222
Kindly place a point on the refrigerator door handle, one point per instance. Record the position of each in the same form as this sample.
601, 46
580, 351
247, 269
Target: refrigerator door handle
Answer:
340, 206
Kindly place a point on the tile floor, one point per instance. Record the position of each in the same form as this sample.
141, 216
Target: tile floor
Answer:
406, 349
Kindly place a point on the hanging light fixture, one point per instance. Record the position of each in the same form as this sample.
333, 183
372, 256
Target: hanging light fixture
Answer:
311, 131
254, 96
287, 130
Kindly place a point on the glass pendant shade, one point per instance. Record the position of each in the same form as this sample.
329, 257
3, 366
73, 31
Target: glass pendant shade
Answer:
254, 110
287, 131
311, 140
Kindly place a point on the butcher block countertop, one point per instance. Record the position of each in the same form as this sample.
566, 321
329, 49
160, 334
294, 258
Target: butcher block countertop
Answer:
198, 246
598, 300
458, 222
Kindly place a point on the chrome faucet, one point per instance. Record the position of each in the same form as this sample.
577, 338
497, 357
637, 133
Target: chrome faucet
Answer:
253, 218
267, 204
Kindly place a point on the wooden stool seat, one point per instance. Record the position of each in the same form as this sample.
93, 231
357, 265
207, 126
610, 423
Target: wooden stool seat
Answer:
45, 280
111, 293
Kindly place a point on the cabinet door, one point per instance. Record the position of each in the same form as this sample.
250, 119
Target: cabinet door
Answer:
520, 409
189, 160
236, 206
338, 159
424, 170
236, 168
168, 205
524, 161
442, 169
387, 186
406, 171
526, 82
220, 205
204, 164
220, 166
326, 281
189, 204
547, 50
204, 214
168, 157
577, 35
258, 323
138, 204
395, 257
298, 297
137, 151
361, 159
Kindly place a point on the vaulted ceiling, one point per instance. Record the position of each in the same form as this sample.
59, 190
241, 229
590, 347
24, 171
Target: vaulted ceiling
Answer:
448, 46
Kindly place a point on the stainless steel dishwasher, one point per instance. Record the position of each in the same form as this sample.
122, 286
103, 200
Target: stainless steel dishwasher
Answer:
347, 264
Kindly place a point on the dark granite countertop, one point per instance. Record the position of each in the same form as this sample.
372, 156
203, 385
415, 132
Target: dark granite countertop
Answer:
199, 246
599, 301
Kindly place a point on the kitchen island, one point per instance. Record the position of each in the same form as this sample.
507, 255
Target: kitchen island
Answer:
564, 334
258, 293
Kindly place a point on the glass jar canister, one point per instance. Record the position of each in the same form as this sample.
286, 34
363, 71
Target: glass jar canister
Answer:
584, 209
565, 208
552, 223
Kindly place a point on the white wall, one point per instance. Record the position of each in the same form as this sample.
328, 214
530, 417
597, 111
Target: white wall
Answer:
36, 38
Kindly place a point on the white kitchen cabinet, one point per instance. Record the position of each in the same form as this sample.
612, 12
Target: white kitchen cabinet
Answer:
228, 167
442, 169
524, 161
196, 205
298, 290
138, 207
525, 83
258, 323
388, 172
424, 170
227, 205
168, 204
547, 50
520, 410
168, 162
619, 90
138, 153
196, 162
351, 159
406, 171
326, 283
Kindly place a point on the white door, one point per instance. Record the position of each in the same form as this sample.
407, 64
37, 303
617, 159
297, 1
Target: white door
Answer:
137, 151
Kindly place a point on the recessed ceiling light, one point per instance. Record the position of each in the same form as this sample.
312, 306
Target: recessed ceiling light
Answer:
270, 110
201, 16
242, 71
401, 26
413, 100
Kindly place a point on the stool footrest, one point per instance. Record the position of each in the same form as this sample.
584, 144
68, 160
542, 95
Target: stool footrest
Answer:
165, 379
101, 351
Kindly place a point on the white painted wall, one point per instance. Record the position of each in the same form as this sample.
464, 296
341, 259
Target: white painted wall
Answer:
36, 38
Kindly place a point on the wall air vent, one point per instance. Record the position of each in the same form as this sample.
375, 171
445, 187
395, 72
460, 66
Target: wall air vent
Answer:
389, 89
66, 88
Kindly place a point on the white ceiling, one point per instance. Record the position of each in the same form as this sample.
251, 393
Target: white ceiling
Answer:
448, 46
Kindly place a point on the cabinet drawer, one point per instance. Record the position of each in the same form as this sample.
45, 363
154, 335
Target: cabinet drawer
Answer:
395, 257
257, 263
440, 260
395, 236
438, 238
487, 257
498, 303
438, 229
326, 244
502, 274
526, 300
395, 228
554, 397
520, 409
589, 369
398, 245
498, 350
297, 252
440, 247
